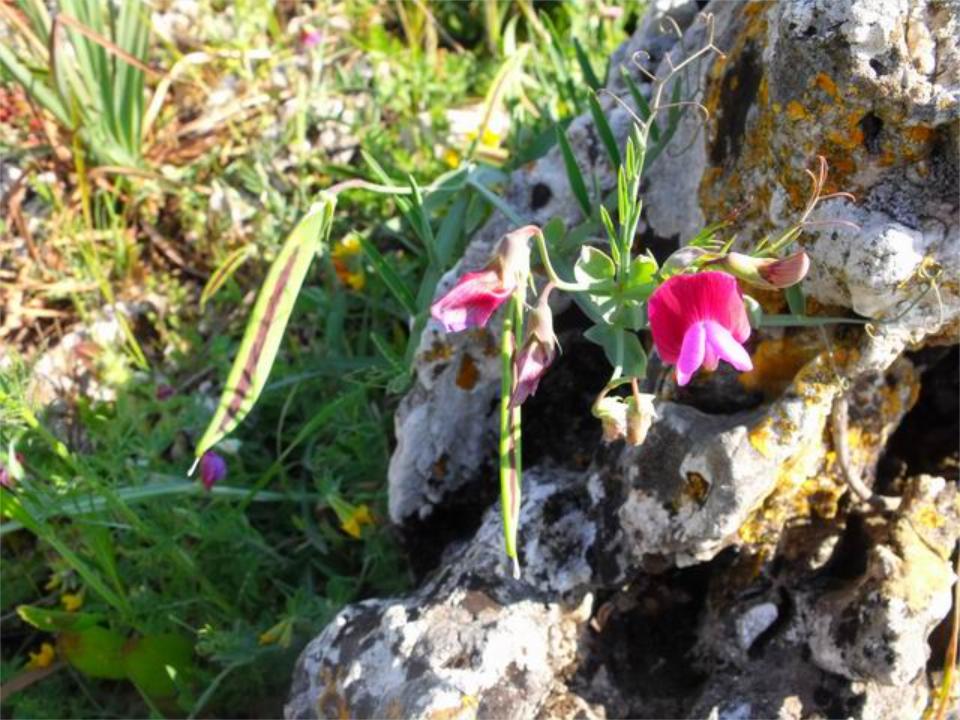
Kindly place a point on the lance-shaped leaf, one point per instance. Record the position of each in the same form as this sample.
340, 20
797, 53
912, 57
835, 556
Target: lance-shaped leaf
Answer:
266, 326
223, 273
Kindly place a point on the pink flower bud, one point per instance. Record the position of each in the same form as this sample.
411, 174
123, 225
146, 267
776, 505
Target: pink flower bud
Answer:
766, 273
538, 351
698, 320
164, 392
477, 295
213, 469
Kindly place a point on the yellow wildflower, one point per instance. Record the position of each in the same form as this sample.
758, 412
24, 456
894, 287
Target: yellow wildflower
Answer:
350, 245
451, 157
356, 280
353, 524
72, 601
280, 634
42, 658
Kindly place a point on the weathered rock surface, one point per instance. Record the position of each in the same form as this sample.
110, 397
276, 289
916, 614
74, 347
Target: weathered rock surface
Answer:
735, 574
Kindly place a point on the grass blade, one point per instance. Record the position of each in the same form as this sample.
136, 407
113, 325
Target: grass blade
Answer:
588, 74
224, 272
603, 129
577, 185
390, 277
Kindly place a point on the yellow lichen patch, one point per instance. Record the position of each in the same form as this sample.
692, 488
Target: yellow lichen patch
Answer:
775, 363
762, 438
793, 496
795, 111
924, 573
438, 351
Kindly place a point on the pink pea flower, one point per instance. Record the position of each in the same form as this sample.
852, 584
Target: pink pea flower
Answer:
698, 320
6, 479
310, 38
477, 295
213, 469
538, 351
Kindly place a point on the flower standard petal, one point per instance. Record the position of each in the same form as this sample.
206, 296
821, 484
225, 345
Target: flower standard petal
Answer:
471, 301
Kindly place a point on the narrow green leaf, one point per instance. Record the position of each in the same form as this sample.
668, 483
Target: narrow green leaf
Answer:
588, 74
577, 185
396, 284
224, 272
643, 107
796, 300
52, 621
451, 231
267, 323
498, 202
603, 129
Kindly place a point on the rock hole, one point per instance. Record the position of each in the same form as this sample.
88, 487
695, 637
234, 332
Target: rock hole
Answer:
648, 641
849, 558
557, 424
540, 195
928, 438
872, 127
878, 67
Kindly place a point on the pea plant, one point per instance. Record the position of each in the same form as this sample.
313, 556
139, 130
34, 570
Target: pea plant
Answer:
692, 304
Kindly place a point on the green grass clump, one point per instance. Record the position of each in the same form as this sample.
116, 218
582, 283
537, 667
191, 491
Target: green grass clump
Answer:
157, 597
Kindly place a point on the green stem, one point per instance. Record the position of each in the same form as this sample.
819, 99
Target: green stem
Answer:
548, 267
507, 341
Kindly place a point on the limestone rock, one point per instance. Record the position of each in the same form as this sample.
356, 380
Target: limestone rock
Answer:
876, 629
465, 645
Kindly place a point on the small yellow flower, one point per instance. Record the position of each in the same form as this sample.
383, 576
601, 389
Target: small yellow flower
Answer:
353, 524
42, 658
72, 602
356, 280
350, 245
280, 634
451, 157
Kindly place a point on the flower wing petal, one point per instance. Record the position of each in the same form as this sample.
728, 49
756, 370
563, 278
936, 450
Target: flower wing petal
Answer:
692, 352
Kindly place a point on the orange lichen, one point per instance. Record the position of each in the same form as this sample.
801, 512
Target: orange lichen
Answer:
919, 133
467, 373
824, 82
795, 111
775, 363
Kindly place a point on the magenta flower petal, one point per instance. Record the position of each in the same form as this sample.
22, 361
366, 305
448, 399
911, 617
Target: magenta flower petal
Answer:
532, 364
213, 469
692, 352
682, 312
723, 344
472, 301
